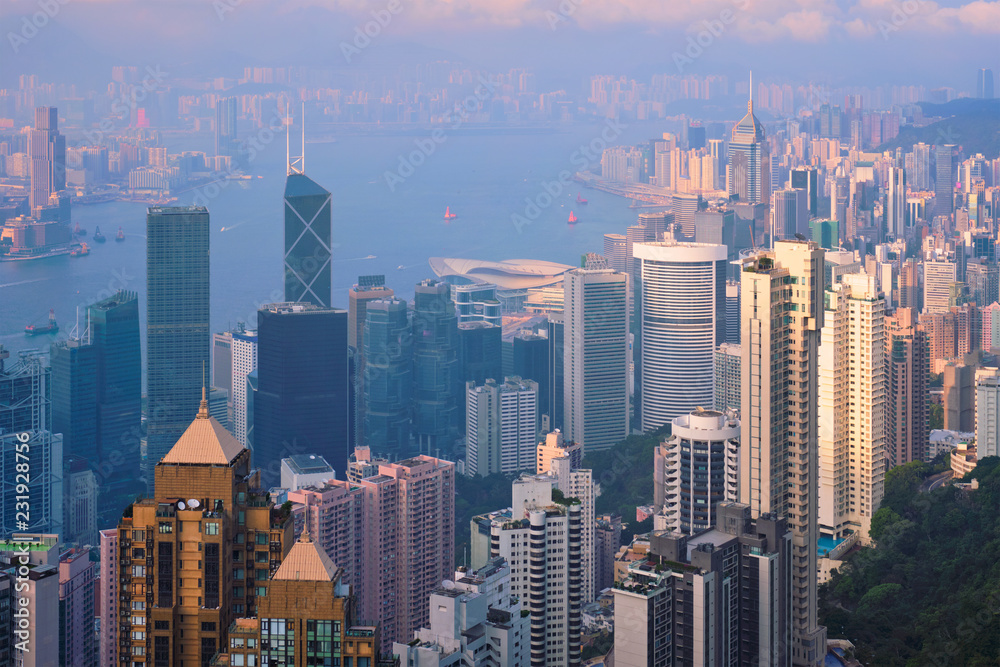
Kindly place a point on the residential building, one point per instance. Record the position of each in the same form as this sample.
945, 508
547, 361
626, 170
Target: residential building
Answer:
944, 179
107, 620
938, 277
501, 427
77, 574
988, 411
907, 415
596, 357
782, 317
556, 446
607, 540
695, 469
727, 377
959, 398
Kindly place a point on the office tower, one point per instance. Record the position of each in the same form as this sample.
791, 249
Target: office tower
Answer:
545, 558
669, 609
477, 303
555, 446
244, 352
907, 416
47, 157
300, 406
780, 334
479, 352
983, 280
807, 179
727, 377
415, 500
853, 397
944, 179
386, 402
225, 126
938, 277
824, 233
716, 226
187, 618
108, 605
894, 210
80, 500
501, 426
475, 617
556, 375
530, 361
910, 295
749, 175
633, 235
304, 470
959, 397
686, 205
218, 406
74, 398
988, 411
984, 85
177, 322
308, 241
703, 451
733, 311
436, 371
595, 368
114, 333
222, 362
656, 223
681, 315
26, 425
77, 574
607, 541
366, 290
789, 214
614, 251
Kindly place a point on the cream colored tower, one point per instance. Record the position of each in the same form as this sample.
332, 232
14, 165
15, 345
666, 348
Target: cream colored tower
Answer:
780, 323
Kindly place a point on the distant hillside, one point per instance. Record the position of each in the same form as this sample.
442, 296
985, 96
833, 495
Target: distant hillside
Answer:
929, 593
970, 123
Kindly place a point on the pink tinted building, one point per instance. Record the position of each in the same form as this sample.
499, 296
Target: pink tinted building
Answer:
76, 600
108, 587
394, 535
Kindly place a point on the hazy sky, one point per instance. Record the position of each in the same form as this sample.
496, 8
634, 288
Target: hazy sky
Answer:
837, 42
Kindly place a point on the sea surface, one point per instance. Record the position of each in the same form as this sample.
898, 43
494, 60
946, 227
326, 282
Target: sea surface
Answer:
485, 179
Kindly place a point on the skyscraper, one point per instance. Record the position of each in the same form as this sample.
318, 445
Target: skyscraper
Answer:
681, 316
749, 160
301, 401
614, 251
780, 334
479, 353
177, 322
308, 241
556, 374
386, 402
807, 179
47, 156
984, 84
186, 619
789, 214
895, 204
501, 426
853, 390
436, 372
74, 398
595, 353
244, 363
531, 362
367, 289
225, 126
944, 179
728, 385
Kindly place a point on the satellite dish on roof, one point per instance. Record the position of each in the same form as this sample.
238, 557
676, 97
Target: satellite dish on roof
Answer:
800, 236
193, 503
181, 505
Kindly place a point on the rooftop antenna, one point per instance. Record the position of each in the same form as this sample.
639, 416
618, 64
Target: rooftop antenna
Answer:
302, 158
296, 163
750, 102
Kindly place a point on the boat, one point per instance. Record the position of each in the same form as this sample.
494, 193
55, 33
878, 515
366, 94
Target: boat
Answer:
579, 199
81, 251
51, 327
448, 215
98, 236
572, 218
79, 231
400, 267
120, 236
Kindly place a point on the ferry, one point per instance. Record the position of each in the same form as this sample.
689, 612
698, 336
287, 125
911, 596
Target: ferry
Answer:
120, 236
98, 236
51, 327
82, 251
580, 199
448, 215
572, 218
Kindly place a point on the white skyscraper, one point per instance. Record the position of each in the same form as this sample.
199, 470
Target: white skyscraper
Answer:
988, 411
781, 319
244, 363
682, 319
938, 277
595, 360
853, 385
895, 203
501, 427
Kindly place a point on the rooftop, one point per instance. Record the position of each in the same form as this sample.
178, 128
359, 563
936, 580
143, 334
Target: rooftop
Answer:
205, 442
306, 561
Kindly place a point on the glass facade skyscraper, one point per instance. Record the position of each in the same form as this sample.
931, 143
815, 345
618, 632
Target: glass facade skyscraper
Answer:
436, 374
178, 339
308, 235
74, 398
388, 378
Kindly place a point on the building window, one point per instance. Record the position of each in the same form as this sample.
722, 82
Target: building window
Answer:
166, 527
212, 528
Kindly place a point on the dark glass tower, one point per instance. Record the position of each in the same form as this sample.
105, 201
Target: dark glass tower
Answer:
74, 398
944, 179
555, 379
531, 362
479, 352
178, 340
225, 126
388, 378
114, 333
436, 373
308, 235
301, 401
